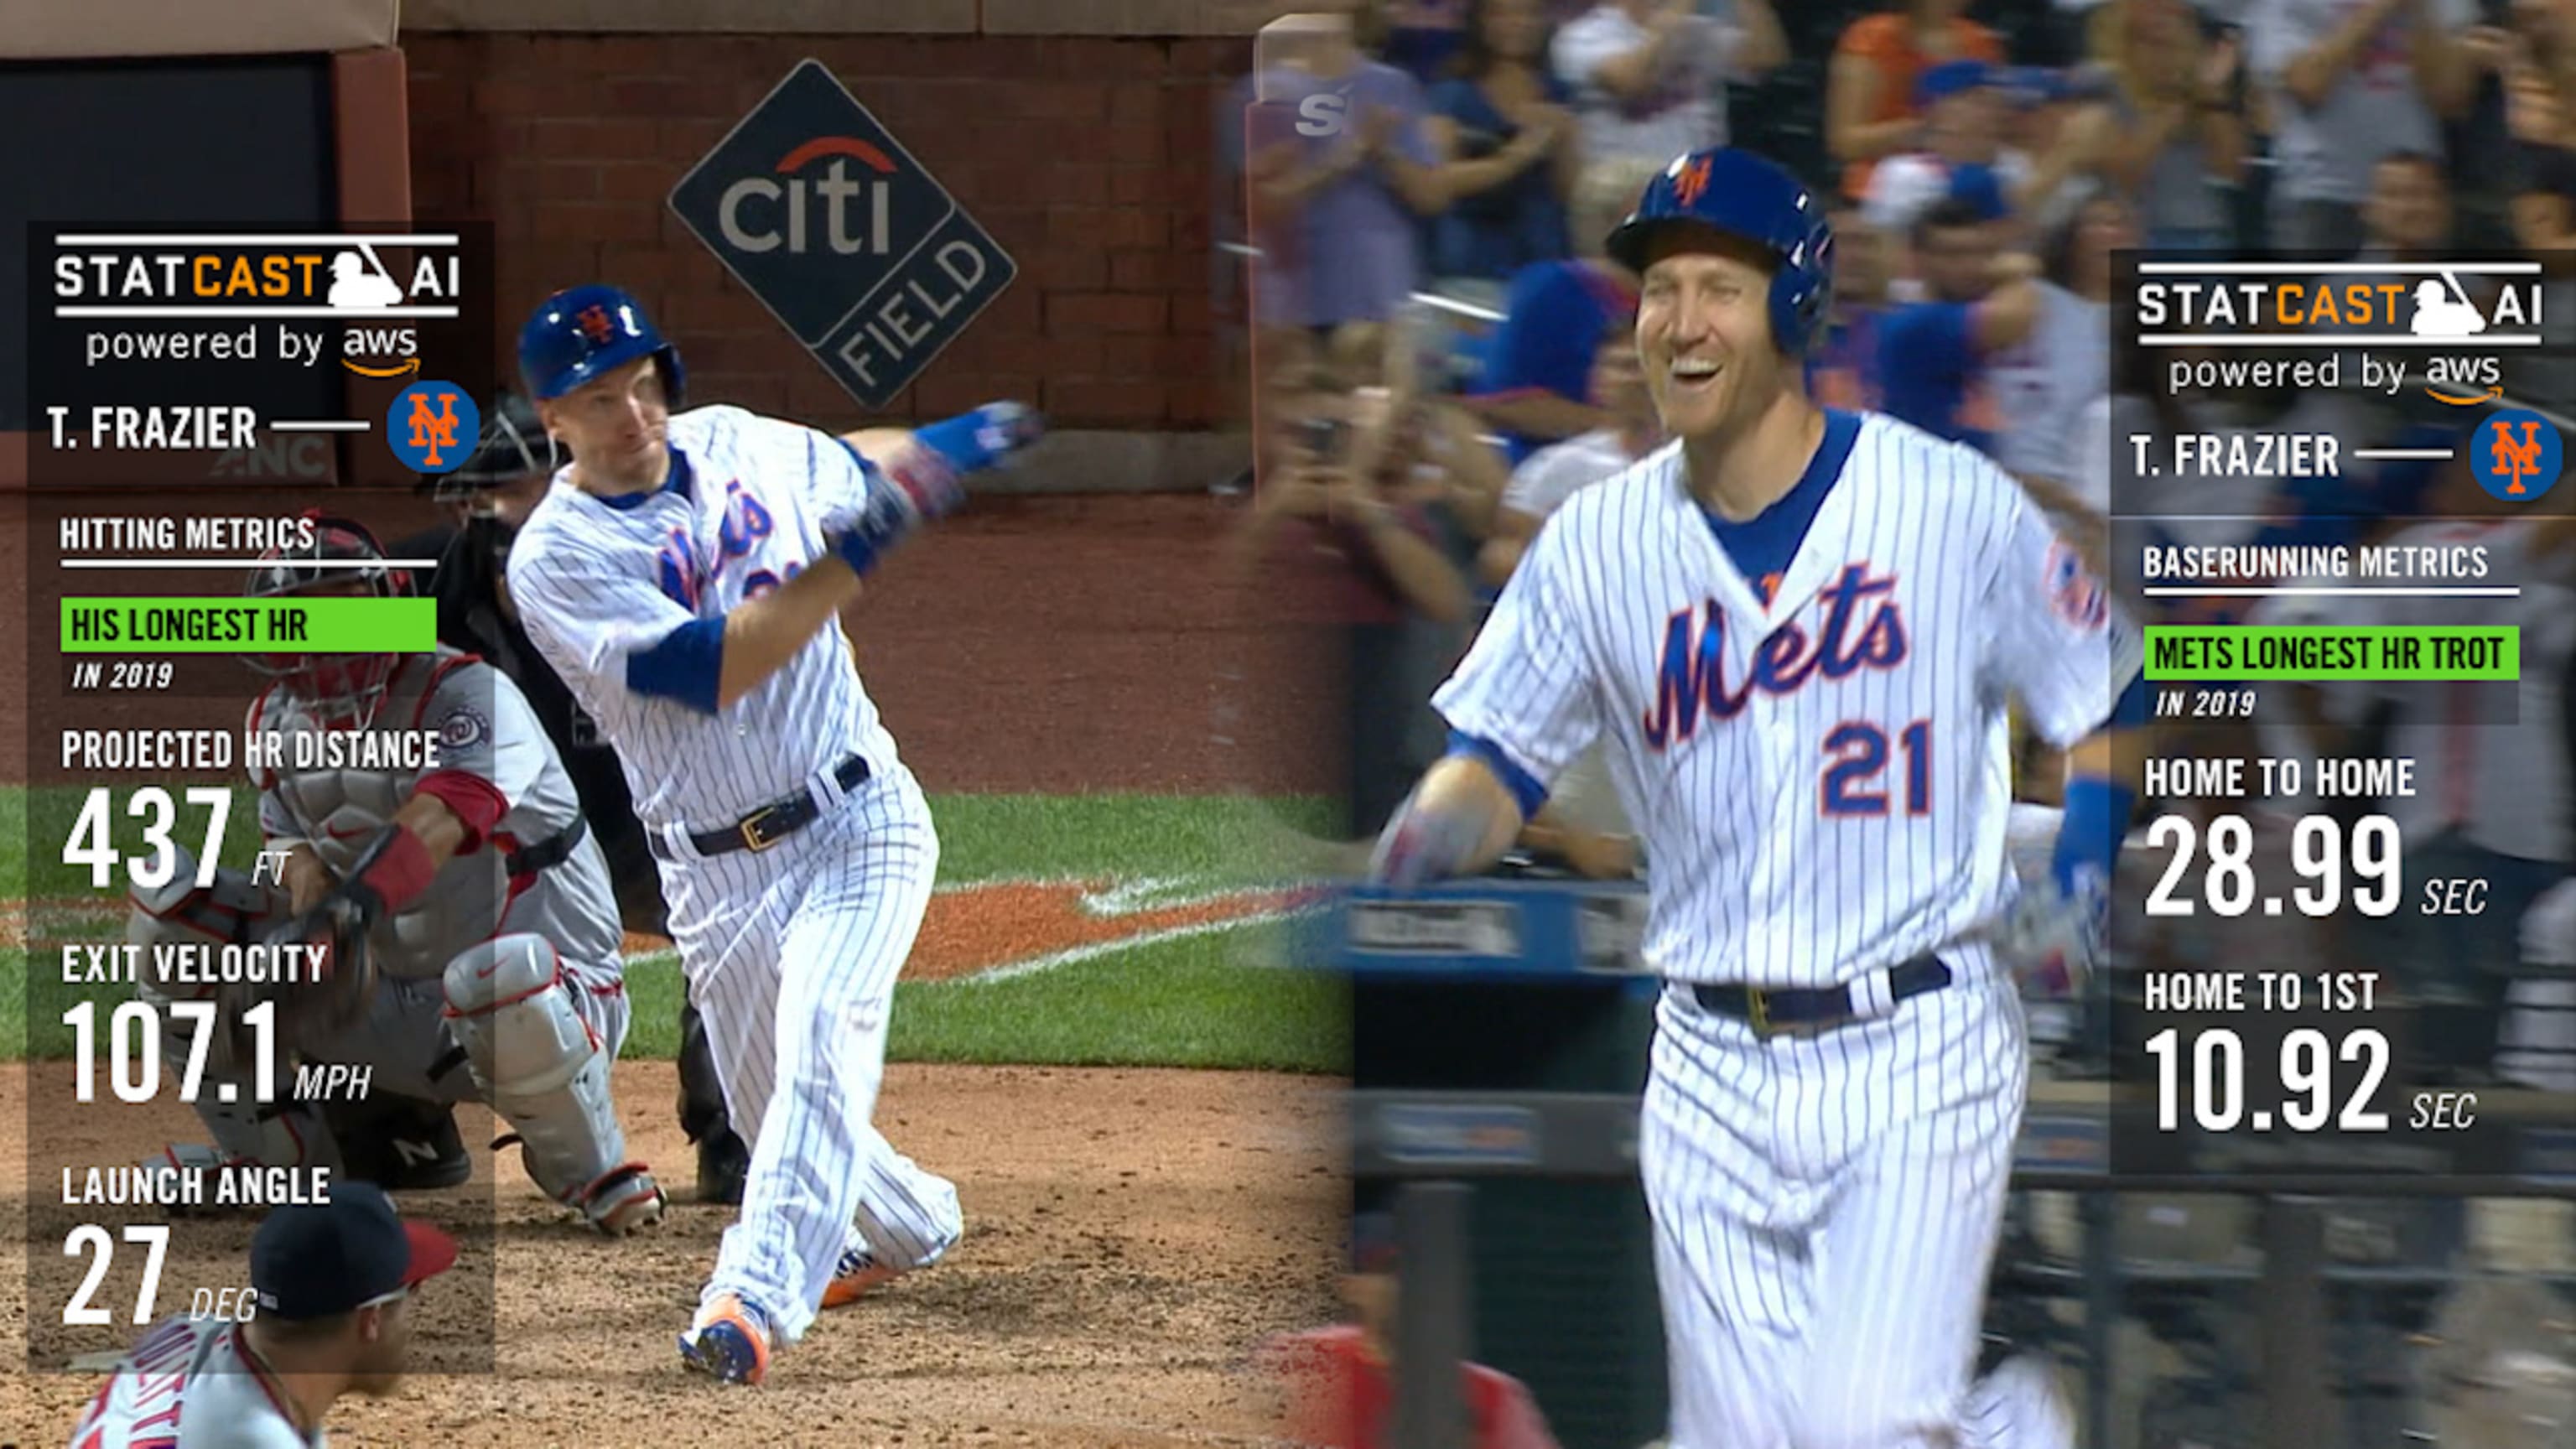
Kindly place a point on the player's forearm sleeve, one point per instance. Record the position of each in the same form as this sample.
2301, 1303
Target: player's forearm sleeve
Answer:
684, 667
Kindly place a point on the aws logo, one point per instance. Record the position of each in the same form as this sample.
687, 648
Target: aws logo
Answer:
852, 213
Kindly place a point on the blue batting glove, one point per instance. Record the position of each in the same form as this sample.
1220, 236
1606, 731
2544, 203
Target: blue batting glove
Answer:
975, 441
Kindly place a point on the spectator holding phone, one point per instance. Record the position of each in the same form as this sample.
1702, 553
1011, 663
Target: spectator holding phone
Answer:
1363, 553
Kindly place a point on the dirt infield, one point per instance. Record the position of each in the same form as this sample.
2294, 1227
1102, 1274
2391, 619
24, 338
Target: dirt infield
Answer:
1130, 1235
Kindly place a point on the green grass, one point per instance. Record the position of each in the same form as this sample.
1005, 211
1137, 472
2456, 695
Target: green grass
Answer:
1189, 1002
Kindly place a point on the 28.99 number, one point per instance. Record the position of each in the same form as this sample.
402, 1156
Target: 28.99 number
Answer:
2317, 851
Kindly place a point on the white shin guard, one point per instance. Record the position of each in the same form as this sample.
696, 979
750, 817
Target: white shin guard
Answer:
546, 1074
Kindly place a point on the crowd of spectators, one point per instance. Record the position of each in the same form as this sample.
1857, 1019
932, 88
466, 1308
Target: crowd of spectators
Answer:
1426, 185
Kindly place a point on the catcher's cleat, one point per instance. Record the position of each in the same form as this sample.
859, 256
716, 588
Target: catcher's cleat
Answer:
858, 1273
623, 1201
729, 1342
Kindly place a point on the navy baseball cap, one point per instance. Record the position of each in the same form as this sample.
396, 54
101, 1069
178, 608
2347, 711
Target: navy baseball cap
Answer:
314, 1260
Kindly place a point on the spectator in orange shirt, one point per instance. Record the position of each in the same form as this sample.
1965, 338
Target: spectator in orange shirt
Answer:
1340, 1381
1870, 108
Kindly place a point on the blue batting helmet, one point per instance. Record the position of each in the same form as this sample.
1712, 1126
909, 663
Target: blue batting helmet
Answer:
1743, 195
577, 335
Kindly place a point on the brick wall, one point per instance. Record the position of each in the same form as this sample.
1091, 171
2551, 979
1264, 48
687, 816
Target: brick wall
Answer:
1089, 159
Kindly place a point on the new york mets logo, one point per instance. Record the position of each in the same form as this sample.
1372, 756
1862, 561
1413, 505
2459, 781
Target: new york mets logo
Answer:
1693, 672
595, 323
2516, 455
746, 523
433, 426
2073, 592
1691, 181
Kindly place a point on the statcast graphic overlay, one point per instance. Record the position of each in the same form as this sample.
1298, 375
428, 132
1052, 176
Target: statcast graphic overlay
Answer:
2334, 509
215, 413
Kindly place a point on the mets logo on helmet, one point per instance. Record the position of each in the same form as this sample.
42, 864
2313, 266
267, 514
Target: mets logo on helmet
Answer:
595, 324
433, 427
1691, 181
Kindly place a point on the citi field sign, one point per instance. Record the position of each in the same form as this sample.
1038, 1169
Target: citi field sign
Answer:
848, 240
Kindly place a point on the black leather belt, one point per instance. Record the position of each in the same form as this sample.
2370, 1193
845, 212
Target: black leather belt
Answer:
1814, 1008
549, 853
773, 822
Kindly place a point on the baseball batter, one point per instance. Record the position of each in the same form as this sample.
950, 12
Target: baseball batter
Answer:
1797, 632
685, 577
483, 901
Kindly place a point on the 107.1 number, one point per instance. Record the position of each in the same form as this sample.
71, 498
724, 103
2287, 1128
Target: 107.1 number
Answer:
2317, 852
134, 1055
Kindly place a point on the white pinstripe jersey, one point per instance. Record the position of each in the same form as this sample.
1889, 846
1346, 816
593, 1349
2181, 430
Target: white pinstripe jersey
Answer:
1822, 785
597, 582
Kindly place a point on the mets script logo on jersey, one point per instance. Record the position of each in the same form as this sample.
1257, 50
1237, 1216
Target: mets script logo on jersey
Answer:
433, 426
2073, 592
1693, 674
746, 523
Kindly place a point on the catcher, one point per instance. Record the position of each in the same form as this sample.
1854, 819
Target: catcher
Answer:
472, 937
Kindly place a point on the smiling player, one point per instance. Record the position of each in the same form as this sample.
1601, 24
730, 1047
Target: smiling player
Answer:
1797, 631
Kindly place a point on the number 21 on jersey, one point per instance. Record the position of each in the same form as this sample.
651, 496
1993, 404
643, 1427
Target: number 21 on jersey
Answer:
1855, 778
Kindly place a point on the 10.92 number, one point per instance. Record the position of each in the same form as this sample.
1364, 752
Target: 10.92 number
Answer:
2318, 852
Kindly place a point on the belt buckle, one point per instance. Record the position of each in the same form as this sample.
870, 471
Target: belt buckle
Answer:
752, 837
1757, 1010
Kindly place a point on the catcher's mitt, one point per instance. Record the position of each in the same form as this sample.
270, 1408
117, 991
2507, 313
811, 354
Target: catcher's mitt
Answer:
332, 985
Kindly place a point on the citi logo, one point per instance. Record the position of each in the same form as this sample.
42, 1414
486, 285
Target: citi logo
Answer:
757, 214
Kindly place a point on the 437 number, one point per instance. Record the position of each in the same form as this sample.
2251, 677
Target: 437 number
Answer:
91, 844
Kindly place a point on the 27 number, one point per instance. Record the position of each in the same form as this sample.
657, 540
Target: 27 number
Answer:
91, 1238
1852, 784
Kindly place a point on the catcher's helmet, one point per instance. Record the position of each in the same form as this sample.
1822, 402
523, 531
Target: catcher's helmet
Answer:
577, 335
341, 690
1743, 195
514, 445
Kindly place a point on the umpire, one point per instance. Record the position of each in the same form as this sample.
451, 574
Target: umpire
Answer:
512, 467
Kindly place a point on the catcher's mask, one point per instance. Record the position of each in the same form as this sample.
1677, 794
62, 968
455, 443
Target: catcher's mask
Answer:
342, 691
